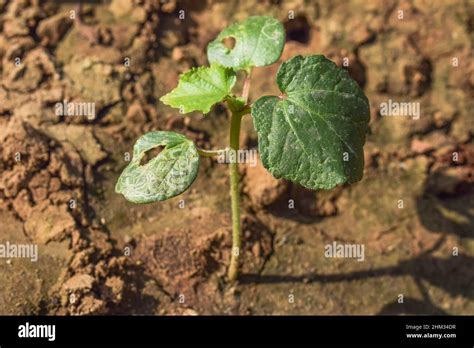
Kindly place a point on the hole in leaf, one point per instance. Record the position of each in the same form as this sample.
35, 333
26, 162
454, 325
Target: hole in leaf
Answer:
229, 42
150, 154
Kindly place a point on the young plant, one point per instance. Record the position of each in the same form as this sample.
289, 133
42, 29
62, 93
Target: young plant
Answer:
312, 134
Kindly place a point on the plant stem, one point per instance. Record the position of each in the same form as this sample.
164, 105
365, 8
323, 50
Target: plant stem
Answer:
235, 196
235, 121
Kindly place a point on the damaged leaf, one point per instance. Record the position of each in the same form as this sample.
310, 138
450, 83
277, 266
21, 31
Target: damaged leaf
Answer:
259, 41
167, 175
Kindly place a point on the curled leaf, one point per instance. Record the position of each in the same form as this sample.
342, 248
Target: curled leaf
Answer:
167, 175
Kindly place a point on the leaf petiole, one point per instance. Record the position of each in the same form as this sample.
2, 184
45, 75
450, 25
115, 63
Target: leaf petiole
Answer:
209, 153
246, 87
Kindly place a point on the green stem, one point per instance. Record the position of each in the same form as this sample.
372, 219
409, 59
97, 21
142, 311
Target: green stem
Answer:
235, 196
235, 121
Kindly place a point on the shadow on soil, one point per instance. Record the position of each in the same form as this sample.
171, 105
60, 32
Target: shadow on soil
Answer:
447, 206
439, 213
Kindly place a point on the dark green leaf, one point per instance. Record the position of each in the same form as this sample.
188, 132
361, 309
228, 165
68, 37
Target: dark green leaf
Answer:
314, 134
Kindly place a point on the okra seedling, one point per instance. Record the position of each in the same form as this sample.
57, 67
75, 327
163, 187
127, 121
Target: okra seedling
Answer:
312, 134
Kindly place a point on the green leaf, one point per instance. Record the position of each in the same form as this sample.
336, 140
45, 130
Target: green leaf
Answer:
315, 134
259, 41
200, 88
167, 175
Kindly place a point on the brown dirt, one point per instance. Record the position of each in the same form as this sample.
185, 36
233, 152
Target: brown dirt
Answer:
99, 254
